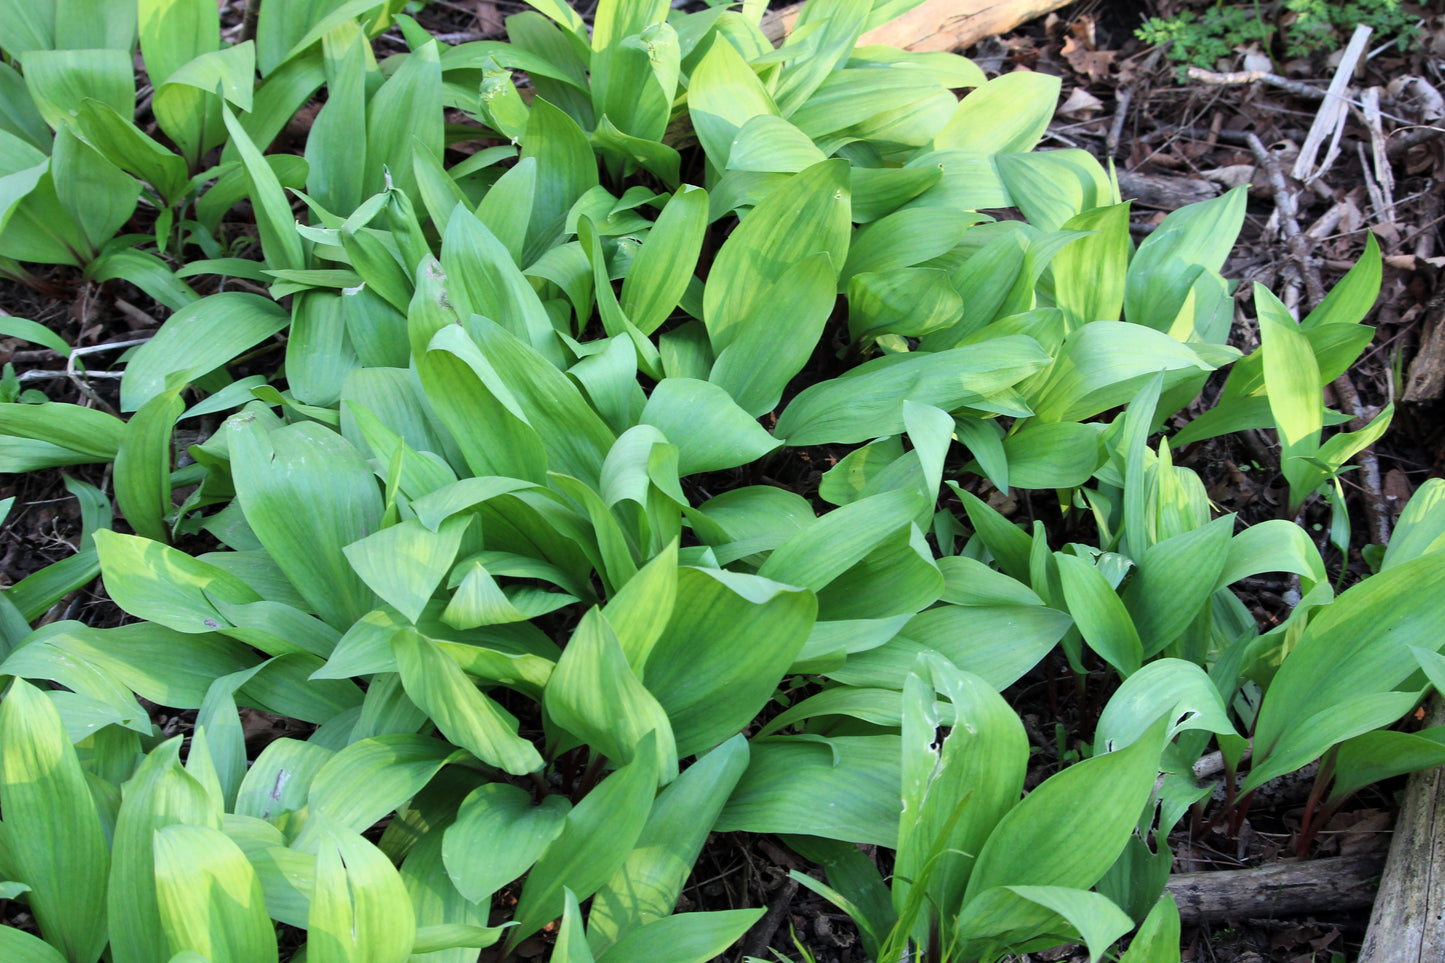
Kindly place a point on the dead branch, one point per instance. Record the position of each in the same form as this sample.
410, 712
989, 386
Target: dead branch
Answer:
1235, 78
935, 24
1278, 889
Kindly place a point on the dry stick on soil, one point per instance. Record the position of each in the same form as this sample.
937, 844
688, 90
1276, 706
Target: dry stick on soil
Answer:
1239, 77
1330, 120
1279, 889
933, 25
1408, 921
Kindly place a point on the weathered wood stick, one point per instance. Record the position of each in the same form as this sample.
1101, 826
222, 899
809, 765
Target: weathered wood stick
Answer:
1406, 925
1279, 889
934, 25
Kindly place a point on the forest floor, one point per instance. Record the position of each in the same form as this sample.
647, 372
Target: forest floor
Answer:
1173, 140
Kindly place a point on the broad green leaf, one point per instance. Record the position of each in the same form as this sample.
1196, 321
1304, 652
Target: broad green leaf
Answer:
1006, 115
1089, 273
497, 836
1376, 756
197, 340
173, 32
867, 402
55, 842
1092, 805
774, 340
647, 885
1106, 363
307, 494
788, 776
724, 94
1061, 454
99, 195
953, 793
406, 110
768, 143
60, 81
1099, 613
709, 429
1194, 238
78, 433
25, 27
566, 169
595, 695
279, 240
1174, 580
1276, 545
155, 582
571, 946
663, 266
1292, 378
143, 464
1157, 940
1421, 527
209, 898
1052, 187
1181, 691
705, 669
360, 910
596, 837
19, 946
35, 333
686, 937
905, 238
161, 793
405, 563
1037, 917
370, 778
103, 127
803, 217
1354, 648
1352, 298
438, 686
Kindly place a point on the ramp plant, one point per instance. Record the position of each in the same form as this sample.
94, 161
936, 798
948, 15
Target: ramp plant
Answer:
500, 535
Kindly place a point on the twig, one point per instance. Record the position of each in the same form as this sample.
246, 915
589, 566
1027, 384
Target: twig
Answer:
1420, 135
63, 375
136, 314
1286, 205
1330, 120
761, 935
1236, 78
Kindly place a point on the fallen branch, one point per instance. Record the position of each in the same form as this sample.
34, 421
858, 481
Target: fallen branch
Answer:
1278, 889
933, 25
1408, 921
1235, 78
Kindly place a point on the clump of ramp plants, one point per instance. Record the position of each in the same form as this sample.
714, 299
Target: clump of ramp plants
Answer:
499, 534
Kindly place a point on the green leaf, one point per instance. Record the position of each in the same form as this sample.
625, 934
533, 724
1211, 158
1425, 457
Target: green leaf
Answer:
152, 581
406, 110
209, 897
60, 81
161, 793
368, 779
440, 688
867, 402
198, 339
647, 885
1421, 527
805, 216
686, 937
1089, 273
1376, 756
1352, 298
954, 792
723, 94
307, 494
1174, 581
55, 843
497, 836
1292, 379
143, 464
1040, 916
279, 240
789, 775
594, 694
1094, 805
566, 169
20, 947
1061, 454
705, 670
1006, 115
1193, 239
1354, 649
99, 195
662, 268
597, 835
77, 433
35, 333
405, 563
172, 32
1157, 940
360, 910
1180, 691
1100, 614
